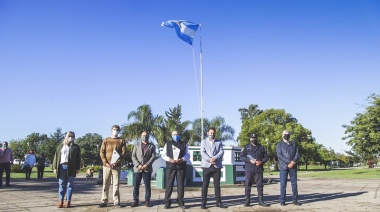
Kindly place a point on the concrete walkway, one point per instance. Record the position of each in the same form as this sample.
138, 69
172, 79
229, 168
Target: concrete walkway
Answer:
325, 195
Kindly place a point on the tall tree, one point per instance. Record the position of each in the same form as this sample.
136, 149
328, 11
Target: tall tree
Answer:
141, 120
268, 125
89, 146
49, 146
172, 121
363, 133
250, 112
224, 132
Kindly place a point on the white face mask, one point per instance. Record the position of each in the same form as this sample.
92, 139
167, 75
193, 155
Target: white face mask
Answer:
115, 133
70, 139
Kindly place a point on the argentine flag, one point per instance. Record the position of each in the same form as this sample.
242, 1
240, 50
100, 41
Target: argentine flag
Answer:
185, 29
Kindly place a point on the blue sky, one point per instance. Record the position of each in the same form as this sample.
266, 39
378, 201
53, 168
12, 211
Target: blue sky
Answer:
84, 65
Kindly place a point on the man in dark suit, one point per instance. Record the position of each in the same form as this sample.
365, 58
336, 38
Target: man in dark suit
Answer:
287, 154
175, 153
212, 155
143, 155
254, 156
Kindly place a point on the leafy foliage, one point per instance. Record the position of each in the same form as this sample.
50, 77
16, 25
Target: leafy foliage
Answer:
363, 133
89, 146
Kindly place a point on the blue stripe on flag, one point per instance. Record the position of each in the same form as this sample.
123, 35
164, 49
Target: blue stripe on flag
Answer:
184, 29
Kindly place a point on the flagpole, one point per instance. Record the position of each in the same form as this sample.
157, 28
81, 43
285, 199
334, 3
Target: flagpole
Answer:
201, 73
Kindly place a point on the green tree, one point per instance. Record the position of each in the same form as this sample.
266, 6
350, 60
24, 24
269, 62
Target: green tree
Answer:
363, 133
269, 124
325, 156
172, 121
89, 146
49, 146
141, 120
18, 149
224, 132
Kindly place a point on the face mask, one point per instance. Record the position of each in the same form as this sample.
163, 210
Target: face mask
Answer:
286, 137
176, 137
145, 138
254, 141
5, 146
211, 137
70, 139
115, 133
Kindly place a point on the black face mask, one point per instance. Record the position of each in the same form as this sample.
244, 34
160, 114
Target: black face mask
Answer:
286, 137
145, 138
254, 141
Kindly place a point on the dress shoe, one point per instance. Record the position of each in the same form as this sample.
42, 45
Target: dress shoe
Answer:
147, 203
297, 203
203, 206
60, 204
68, 204
262, 203
167, 206
135, 204
220, 205
282, 204
183, 206
102, 205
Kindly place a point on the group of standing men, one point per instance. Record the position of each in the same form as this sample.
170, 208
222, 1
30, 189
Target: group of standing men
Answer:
175, 153
255, 156
66, 165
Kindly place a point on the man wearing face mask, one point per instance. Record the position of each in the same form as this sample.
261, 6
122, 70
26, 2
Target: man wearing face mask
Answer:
6, 159
66, 165
287, 154
254, 156
175, 168
143, 155
109, 145
212, 155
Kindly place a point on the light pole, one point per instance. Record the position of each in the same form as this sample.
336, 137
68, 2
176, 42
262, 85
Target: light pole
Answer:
331, 166
267, 140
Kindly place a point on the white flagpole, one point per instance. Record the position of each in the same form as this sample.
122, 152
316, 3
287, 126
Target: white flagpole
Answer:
201, 73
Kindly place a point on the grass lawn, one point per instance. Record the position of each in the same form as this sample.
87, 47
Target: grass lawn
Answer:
48, 173
347, 173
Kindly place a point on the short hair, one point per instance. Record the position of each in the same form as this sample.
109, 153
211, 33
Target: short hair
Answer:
285, 131
211, 128
115, 126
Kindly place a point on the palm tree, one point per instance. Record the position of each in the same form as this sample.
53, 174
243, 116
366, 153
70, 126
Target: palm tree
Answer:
143, 119
223, 132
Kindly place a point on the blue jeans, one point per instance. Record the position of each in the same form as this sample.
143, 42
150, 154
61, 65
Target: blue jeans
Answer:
66, 183
283, 181
136, 185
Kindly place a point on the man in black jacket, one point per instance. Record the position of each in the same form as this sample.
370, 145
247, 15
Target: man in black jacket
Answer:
287, 154
175, 153
254, 156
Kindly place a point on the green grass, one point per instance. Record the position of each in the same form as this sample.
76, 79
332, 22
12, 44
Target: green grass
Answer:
349, 173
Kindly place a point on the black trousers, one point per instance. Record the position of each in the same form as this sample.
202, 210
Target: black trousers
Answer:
251, 176
40, 171
28, 173
215, 173
171, 175
7, 168
146, 176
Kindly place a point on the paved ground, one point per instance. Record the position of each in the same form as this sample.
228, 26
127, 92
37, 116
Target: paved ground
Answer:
315, 195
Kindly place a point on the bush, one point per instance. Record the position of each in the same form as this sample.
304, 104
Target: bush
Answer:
96, 168
16, 168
